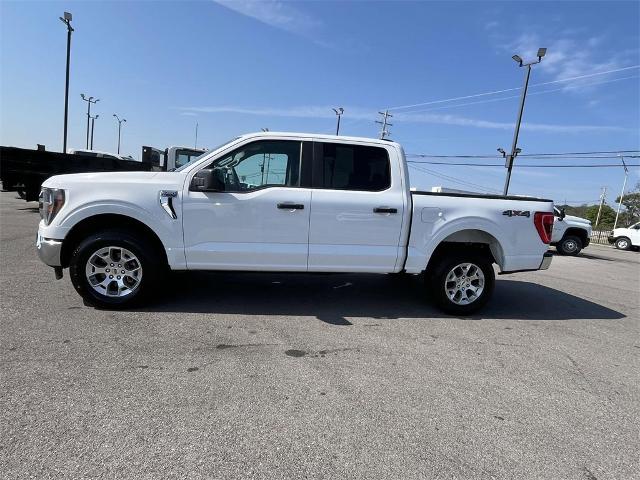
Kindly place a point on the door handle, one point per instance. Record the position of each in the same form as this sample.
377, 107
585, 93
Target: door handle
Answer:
385, 210
291, 206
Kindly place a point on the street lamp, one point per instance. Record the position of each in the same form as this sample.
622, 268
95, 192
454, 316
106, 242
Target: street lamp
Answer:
89, 101
339, 111
514, 146
66, 19
119, 128
93, 124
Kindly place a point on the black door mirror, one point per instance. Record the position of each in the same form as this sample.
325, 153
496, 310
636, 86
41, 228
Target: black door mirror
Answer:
208, 180
562, 213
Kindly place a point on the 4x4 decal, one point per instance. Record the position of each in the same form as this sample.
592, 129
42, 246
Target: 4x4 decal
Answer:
517, 213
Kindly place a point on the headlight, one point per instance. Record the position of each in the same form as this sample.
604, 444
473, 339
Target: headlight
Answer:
50, 202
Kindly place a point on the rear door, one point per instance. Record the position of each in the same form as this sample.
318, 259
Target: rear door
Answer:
357, 209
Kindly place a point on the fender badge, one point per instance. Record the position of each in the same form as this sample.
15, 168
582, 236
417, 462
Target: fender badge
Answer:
516, 213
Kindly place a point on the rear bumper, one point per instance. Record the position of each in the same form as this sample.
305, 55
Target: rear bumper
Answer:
544, 264
49, 251
546, 261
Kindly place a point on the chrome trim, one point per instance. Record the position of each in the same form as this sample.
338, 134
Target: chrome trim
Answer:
166, 201
49, 251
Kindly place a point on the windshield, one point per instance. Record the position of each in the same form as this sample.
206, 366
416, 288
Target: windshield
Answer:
193, 159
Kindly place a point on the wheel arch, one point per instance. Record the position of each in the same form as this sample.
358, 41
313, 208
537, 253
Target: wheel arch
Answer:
581, 233
104, 221
480, 241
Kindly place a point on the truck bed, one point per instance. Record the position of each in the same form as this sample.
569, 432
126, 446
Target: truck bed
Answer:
506, 226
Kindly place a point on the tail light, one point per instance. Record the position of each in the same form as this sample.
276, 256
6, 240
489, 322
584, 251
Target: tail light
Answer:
544, 225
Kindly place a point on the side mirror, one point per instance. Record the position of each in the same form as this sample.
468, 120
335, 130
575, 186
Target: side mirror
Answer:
208, 180
562, 213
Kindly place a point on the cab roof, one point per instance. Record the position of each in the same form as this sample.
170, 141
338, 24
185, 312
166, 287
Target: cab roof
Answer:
322, 136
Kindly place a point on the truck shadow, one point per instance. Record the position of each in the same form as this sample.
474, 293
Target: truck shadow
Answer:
332, 298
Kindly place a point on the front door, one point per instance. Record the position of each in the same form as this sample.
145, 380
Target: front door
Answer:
261, 219
357, 209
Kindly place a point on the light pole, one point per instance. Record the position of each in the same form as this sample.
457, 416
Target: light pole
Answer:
93, 125
624, 184
89, 101
510, 157
119, 128
339, 111
66, 19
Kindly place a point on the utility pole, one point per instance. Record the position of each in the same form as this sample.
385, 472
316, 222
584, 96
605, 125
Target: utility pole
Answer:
93, 124
602, 197
624, 184
339, 111
385, 123
119, 128
195, 145
89, 101
510, 157
66, 19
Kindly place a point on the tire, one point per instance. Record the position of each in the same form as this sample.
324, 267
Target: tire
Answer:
455, 267
93, 263
569, 245
623, 243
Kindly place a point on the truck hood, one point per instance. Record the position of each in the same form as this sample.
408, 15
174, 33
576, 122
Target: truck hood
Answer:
64, 181
579, 220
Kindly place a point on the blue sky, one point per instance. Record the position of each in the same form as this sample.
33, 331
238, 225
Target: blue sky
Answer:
235, 67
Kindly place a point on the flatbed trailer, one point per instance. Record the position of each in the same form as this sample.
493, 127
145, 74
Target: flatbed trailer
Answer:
23, 170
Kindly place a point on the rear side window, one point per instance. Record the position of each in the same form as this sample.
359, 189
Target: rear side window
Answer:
351, 167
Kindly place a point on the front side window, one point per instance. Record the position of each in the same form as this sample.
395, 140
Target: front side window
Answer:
351, 167
261, 164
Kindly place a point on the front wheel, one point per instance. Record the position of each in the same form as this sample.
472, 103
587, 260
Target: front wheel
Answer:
569, 245
113, 269
623, 243
461, 284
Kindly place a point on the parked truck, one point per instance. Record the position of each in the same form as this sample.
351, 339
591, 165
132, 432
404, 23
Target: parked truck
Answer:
24, 170
570, 234
286, 202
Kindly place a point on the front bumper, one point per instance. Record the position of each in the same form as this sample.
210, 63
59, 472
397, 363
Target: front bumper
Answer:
611, 239
546, 261
49, 250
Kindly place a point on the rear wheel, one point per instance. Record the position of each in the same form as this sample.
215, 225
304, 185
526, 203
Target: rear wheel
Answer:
623, 243
461, 283
114, 269
569, 245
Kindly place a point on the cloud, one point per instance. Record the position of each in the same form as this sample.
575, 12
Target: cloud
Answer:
355, 113
275, 13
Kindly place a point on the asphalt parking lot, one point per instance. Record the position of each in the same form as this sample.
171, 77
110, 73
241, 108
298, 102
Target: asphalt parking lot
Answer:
319, 376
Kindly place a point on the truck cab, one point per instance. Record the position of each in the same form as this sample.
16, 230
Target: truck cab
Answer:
570, 234
170, 158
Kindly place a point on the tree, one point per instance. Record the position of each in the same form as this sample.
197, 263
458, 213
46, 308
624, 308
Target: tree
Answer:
631, 202
607, 216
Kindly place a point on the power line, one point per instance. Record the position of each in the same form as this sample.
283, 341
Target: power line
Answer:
433, 102
454, 179
558, 154
602, 165
518, 96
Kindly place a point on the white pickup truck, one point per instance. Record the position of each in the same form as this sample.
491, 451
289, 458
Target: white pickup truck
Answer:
285, 202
